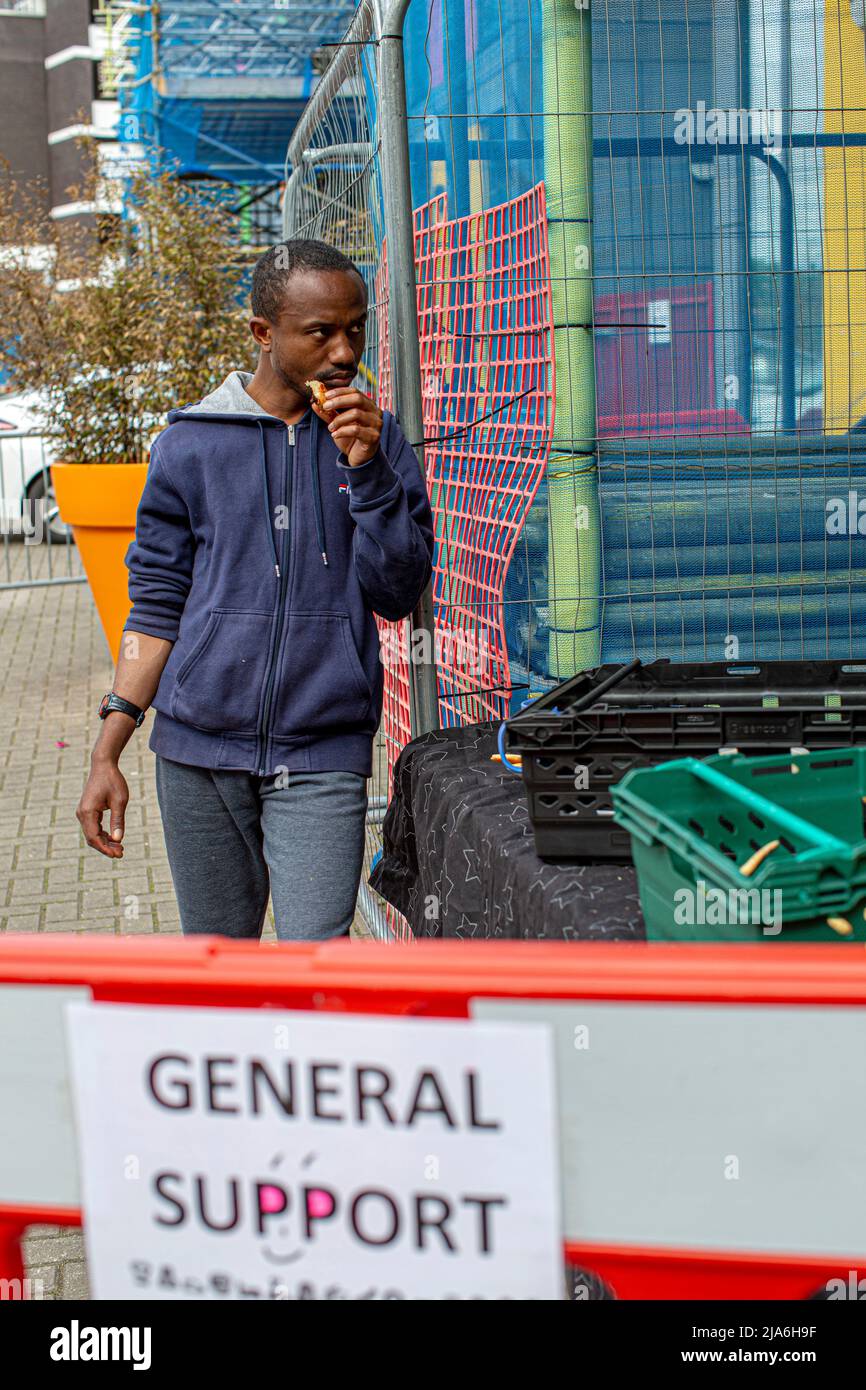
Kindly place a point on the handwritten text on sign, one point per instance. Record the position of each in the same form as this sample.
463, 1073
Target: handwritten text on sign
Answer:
234, 1153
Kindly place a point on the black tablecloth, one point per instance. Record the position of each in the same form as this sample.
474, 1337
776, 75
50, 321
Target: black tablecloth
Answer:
459, 855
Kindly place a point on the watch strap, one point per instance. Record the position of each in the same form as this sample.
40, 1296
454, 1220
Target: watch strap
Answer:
116, 702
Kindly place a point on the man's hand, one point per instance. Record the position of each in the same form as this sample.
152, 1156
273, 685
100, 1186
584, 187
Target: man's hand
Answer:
105, 790
354, 422
139, 668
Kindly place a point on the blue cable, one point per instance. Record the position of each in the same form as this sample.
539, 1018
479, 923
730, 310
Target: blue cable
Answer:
512, 767
500, 741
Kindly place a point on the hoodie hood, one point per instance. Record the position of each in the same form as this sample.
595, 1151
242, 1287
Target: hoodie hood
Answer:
232, 401
231, 398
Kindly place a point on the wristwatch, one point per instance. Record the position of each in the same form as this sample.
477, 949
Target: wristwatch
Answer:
111, 702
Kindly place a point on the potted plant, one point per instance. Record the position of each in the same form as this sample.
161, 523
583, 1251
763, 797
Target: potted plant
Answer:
112, 324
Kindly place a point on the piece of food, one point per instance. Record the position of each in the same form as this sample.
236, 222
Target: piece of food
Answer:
318, 391
841, 925
758, 858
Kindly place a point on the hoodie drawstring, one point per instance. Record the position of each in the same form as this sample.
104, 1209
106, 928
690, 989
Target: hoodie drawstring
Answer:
317, 495
266, 494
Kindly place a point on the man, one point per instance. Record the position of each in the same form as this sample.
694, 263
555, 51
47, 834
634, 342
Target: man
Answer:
270, 531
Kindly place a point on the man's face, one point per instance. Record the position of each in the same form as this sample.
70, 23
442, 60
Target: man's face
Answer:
320, 331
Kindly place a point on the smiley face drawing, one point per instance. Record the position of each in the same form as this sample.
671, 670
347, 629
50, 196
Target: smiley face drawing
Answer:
274, 1200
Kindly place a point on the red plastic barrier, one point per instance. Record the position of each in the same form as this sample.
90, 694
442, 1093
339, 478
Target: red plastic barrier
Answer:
438, 979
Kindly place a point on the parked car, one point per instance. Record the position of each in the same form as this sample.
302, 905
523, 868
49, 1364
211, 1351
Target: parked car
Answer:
25, 463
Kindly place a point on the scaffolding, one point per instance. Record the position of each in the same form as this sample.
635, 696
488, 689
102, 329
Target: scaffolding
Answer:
215, 87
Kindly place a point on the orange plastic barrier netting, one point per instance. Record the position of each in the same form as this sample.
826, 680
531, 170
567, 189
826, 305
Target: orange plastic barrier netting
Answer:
485, 332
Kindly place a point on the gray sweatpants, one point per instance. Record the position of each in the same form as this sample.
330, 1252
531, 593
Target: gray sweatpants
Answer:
233, 838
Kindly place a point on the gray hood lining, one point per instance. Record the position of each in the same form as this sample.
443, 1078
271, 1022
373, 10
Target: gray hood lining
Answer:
231, 398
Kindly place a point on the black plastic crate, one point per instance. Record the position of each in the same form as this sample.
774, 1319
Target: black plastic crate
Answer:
661, 711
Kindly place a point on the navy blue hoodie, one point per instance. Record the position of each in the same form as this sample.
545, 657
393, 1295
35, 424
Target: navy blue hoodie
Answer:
262, 555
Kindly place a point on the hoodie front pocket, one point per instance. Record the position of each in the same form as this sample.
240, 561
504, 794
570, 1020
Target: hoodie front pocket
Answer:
219, 686
323, 685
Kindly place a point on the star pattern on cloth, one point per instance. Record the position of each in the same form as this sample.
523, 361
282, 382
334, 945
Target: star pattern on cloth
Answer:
432, 845
505, 902
460, 825
457, 814
467, 926
567, 896
472, 862
457, 780
442, 893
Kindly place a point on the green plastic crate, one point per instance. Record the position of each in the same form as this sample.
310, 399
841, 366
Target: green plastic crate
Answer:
695, 822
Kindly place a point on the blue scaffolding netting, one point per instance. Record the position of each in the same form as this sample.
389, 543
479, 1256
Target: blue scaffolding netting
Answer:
217, 86
728, 207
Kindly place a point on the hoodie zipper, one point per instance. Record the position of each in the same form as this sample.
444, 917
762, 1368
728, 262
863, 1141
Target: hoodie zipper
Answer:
281, 575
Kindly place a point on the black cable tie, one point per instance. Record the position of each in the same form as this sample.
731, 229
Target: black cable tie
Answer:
485, 690
464, 429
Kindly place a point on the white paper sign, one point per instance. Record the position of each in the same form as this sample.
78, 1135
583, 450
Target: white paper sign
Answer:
229, 1153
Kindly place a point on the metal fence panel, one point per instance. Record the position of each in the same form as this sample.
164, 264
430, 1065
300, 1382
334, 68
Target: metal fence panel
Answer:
335, 191
37, 548
690, 484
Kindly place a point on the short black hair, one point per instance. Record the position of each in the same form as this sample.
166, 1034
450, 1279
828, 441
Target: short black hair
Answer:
273, 269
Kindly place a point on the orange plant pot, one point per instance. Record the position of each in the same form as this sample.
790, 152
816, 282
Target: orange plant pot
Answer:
99, 502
